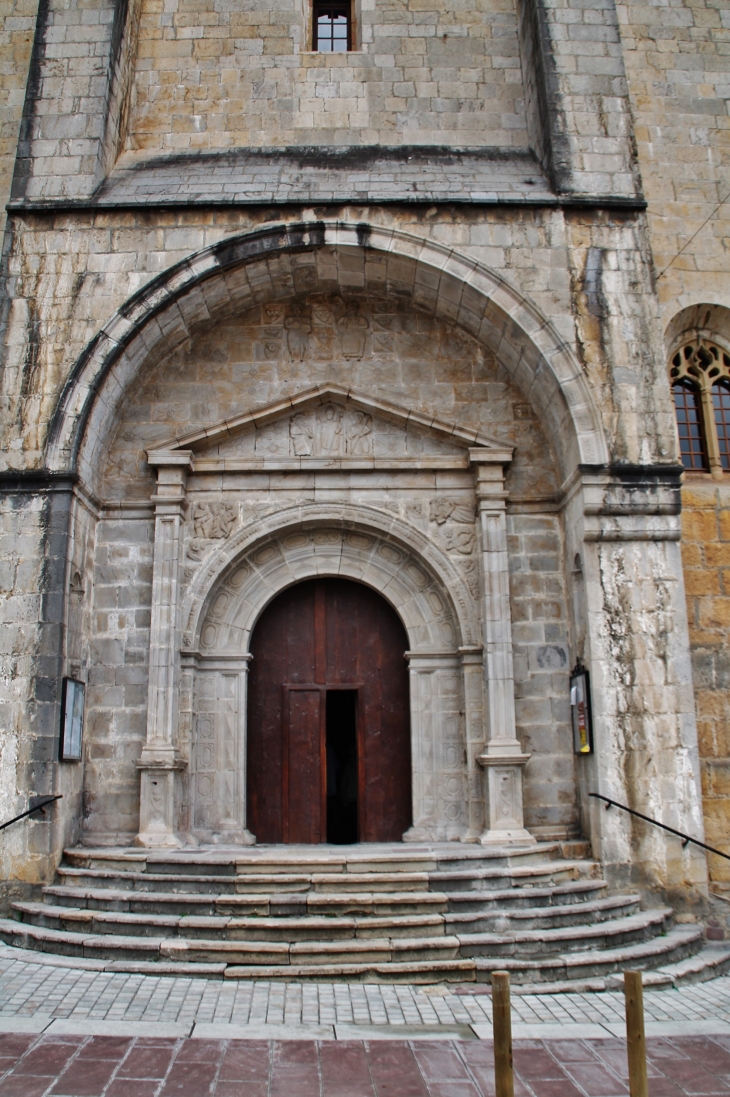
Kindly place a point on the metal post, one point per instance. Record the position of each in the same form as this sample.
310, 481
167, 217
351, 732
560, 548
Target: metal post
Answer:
502, 1028
635, 1040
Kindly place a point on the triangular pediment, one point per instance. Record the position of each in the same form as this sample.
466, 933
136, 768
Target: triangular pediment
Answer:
328, 424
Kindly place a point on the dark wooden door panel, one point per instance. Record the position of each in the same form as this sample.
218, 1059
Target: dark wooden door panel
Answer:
327, 633
303, 763
283, 651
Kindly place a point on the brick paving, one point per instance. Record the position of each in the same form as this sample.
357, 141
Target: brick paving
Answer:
108, 1066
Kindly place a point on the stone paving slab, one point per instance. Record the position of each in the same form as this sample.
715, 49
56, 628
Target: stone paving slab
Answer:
41, 998
153, 1066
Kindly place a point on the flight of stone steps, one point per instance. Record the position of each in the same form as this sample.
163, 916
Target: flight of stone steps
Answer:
367, 912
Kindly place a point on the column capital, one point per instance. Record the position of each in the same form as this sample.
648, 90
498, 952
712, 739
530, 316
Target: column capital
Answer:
489, 478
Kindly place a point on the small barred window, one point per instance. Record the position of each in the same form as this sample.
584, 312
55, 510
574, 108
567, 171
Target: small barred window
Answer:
700, 376
689, 424
332, 27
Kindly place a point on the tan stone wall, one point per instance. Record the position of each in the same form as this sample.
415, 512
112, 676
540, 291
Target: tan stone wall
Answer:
17, 24
210, 76
677, 62
706, 559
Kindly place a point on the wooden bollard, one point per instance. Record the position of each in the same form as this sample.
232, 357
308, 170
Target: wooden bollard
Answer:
502, 1028
635, 1040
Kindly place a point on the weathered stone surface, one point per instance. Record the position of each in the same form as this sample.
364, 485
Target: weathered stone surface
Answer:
444, 225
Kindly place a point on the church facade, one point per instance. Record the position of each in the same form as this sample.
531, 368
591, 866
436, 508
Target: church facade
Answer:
344, 353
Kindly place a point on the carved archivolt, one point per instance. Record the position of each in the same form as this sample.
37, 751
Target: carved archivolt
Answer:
438, 616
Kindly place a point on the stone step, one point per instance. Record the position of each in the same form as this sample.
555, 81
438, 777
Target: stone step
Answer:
368, 858
670, 948
562, 903
223, 917
259, 960
549, 874
481, 879
540, 917
196, 932
182, 884
634, 928
521, 896
378, 950
378, 903
263, 928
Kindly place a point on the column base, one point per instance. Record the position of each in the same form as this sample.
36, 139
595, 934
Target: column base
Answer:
507, 838
504, 800
157, 803
156, 840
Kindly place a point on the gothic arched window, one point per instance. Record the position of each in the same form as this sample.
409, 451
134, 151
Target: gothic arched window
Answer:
700, 376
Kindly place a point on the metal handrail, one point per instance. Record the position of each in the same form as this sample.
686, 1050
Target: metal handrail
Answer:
655, 822
38, 807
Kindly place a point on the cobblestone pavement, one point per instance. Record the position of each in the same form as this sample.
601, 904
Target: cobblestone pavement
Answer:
42, 996
113, 1066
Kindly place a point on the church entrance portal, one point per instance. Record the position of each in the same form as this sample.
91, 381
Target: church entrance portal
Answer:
329, 755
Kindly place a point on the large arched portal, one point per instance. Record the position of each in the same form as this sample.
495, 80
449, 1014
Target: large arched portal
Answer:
396, 632
305, 383
329, 755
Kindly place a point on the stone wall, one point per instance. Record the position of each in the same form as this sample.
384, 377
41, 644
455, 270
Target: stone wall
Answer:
542, 667
211, 77
706, 561
535, 316
17, 24
677, 63
275, 350
118, 671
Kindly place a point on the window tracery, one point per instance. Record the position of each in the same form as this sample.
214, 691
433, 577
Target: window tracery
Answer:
700, 377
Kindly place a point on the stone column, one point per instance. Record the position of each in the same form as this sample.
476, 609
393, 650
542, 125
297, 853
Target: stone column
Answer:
161, 759
502, 757
472, 663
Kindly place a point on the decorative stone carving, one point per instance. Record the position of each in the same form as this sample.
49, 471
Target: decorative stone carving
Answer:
359, 434
301, 434
213, 520
273, 314
471, 575
353, 328
458, 510
331, 431
461, 540
298, 325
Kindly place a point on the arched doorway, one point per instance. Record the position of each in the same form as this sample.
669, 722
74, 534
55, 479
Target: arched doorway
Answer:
329, 755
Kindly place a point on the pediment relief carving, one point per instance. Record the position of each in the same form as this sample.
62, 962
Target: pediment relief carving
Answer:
329, 424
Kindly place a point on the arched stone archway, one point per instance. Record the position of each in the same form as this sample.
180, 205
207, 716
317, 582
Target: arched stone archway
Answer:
284, 261
447, 703
706, 320
286, 265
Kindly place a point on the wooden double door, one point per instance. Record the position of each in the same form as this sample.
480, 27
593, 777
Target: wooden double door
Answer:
328, 730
